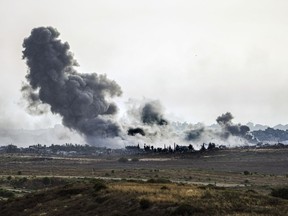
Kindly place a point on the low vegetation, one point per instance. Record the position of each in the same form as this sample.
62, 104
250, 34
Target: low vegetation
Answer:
230, 182
4, 193
280, 192
97, 197
158, 180
123, 160
135, 159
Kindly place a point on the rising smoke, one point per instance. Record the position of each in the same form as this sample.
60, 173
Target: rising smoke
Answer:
151, 113
148, 118
227, 132
82, 100
35, 106
145, 121
194, 134
225, 121
134, 131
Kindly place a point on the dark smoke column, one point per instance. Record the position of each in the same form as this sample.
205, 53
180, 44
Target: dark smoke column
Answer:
83, 100
225, 121
151, 114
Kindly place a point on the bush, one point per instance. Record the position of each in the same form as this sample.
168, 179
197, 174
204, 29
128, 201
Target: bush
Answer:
207, 194
46, 180
160, 180
165, 188
99, 185
135, 159
246, 172
69, 192
145, 203
185, 209
20, 182
246, 181
123, 160
6, 193
280, 193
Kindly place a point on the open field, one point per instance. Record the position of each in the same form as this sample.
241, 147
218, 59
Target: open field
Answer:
261, 167
225, 182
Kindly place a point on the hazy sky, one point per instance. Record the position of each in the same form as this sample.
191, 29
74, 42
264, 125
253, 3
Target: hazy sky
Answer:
199, 58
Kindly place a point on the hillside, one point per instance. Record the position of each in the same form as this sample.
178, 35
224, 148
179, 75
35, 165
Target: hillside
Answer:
91, 197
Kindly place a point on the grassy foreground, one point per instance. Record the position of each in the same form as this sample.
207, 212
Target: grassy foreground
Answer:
155, 197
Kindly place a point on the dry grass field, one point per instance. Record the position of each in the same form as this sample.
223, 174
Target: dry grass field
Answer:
226, 182
92, 197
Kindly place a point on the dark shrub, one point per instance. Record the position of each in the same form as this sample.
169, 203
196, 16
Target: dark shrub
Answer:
246, 172
135, 159
186, 210
123, 160
6, 193
69, 191
19, 182
251, 191
165, 188
145, 203
99, 185
46, 181
160, 180
280, 192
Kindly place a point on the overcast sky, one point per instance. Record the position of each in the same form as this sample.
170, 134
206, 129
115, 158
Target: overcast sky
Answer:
199, 58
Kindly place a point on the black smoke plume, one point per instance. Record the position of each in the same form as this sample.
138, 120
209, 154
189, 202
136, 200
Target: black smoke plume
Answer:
151, 114
225, 121
134, 131
35, 107
194, 134
82, 100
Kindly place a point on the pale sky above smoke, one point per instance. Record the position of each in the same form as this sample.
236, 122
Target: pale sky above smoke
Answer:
199, 58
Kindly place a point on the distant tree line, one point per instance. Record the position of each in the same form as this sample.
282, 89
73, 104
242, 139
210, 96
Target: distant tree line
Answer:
53, 149
271, 135
176, 149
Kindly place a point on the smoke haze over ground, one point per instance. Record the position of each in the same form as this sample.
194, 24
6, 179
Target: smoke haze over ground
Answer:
145, 120
48, 136
84, 101
176, 52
